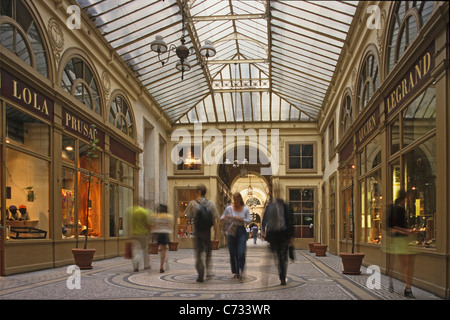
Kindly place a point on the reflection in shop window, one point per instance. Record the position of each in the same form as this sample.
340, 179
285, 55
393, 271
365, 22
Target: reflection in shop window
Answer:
420, 184
70, 225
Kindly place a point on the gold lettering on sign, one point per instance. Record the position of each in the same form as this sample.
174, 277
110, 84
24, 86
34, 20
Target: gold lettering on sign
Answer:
80, 126
419, 71
367, 128
29, 98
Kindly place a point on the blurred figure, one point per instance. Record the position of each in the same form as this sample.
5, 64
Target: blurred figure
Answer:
278, 229
235, 217
255, 233
162, 224
399, 235
139, 229
205, 215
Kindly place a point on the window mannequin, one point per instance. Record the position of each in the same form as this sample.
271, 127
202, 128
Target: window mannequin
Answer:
14, 213
23, 213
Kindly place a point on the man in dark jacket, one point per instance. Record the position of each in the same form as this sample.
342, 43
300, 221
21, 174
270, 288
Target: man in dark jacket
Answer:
278, 229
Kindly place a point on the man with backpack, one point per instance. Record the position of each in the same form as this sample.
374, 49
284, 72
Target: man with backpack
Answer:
205, 216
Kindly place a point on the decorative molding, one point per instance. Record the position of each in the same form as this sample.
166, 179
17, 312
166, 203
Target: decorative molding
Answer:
106, 80
56, 37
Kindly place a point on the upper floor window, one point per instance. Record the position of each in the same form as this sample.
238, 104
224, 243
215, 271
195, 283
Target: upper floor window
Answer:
79, 80
408, 18
301, 156
20, 35
346, 114
369, 81
120, 116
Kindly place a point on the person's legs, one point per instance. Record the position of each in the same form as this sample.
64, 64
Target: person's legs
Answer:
232, 248
241, 248
199, 248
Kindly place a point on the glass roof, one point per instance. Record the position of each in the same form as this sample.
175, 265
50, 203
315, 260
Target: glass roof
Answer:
274, 59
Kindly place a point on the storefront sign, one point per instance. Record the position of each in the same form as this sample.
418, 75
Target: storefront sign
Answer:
121, 151
24, 95
82, 128
368, 128
412, 81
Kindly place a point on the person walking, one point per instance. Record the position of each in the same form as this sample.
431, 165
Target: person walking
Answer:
162, 229
278, 229
140, 225
255, 233
399, 235
235, 217
205, 216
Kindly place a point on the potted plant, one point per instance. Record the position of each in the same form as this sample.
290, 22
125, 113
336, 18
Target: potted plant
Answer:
84, 257
352, 261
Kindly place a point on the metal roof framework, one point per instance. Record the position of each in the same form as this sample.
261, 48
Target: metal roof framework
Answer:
275, 59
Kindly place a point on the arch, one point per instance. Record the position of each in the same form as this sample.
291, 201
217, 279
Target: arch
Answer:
401, 15
127, 114
368, 78
31, 33
347, 112
90, 77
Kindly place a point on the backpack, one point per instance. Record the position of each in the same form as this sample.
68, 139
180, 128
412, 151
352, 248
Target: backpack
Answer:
203, 220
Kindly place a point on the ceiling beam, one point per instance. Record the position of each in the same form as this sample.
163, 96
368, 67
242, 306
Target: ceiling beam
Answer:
228, 17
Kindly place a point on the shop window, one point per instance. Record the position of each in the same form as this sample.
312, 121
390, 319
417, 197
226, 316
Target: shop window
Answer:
121, 196
27, 132
184, 224
68, 149
301, 201
407, 19
79, 81
369, 81
371, 191
21, 36
28, 195
419, 166
70, 225
120, 116
301, 156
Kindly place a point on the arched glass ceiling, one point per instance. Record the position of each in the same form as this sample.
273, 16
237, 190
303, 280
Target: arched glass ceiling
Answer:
275, 59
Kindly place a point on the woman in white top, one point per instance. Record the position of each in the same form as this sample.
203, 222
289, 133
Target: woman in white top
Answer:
235, 217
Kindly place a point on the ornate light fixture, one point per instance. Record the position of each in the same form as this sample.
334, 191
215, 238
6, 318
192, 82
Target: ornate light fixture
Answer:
182, 51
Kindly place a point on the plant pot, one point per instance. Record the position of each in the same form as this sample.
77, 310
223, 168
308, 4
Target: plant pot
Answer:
352, 262
153, 248
311, 246
173, 246
215, 244
320, 250
83, 258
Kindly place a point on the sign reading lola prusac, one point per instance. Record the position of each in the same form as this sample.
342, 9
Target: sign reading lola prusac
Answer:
82, 128
411, 81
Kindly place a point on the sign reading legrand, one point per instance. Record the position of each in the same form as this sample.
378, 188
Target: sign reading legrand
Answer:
26, 96
82, 128
412, 81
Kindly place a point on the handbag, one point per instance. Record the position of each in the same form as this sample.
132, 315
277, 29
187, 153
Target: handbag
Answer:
128, 250
291, 253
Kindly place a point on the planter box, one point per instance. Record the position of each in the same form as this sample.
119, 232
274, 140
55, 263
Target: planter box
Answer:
352, 262
173, 246
311, 246
83, 258
320, 250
